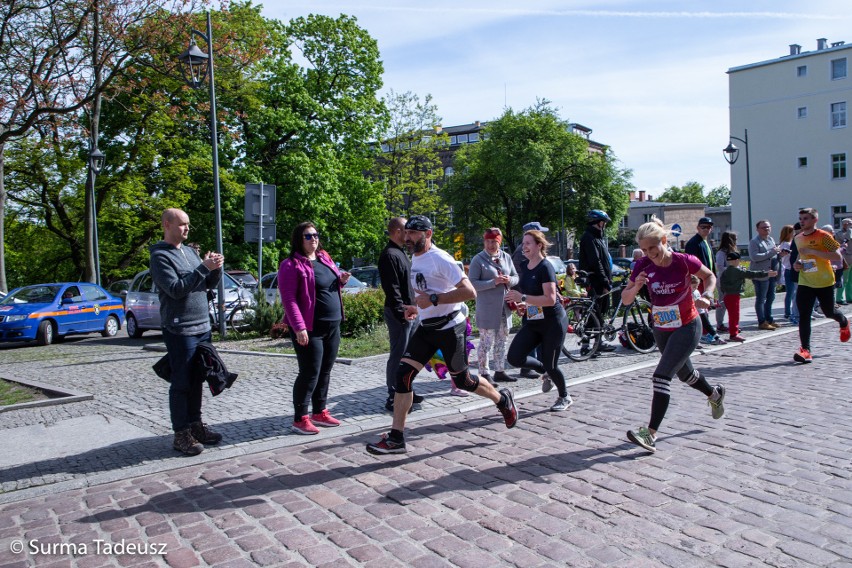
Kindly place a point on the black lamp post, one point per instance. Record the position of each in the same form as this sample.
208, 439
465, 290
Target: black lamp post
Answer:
731, 154
196, 66
96, 164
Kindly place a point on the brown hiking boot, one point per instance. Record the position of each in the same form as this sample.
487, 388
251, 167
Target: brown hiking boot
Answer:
202, 433
184, 442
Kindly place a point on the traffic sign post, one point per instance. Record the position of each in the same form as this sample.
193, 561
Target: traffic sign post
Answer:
677, 231
260, 218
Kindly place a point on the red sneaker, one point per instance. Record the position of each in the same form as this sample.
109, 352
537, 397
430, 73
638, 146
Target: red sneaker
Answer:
803, 356
304, 426
845, 334
324, 418
736, 338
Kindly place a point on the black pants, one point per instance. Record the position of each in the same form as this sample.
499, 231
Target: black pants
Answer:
806, 297
549, 334
315, 362
185, 390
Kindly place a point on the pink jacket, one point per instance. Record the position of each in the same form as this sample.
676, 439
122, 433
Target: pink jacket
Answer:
297, 288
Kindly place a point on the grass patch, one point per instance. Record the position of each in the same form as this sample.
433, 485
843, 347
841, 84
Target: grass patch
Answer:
13, 393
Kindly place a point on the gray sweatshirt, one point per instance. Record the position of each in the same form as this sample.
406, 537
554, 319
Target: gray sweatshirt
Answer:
182, 282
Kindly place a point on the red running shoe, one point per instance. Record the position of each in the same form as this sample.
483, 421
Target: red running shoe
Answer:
845, 334
803, 356
304, 426
736, 338
386, 446
324, 418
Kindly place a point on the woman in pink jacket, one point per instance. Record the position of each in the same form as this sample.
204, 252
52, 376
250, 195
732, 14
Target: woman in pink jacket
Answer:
309, 283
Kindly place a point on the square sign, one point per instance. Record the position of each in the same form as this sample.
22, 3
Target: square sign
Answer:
260, 197
251, 232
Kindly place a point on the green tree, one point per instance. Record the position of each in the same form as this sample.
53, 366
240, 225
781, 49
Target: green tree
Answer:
719, 196
409, 164
529, 166
691, 192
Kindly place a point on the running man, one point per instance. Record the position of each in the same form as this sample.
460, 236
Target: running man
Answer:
440, 287
817, 249
677, 327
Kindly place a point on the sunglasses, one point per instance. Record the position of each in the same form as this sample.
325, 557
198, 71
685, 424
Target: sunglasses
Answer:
311, 236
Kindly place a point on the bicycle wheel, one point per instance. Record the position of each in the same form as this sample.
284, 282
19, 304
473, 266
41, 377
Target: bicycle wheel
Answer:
638, 327
584, 333
240, 318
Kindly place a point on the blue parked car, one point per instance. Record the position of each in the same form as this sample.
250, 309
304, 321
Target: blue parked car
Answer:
48, 312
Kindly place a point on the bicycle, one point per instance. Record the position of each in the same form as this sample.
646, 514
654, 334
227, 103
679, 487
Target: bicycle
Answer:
585, 332
238, 314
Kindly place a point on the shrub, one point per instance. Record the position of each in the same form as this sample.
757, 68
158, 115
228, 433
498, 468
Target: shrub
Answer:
265, 315
363, 311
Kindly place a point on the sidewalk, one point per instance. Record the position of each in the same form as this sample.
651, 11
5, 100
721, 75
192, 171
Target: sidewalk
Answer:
767, 485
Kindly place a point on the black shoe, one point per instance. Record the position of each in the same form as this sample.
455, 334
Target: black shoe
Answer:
502, 377
202, 433
417, 399
606, 348
386, 446
509, 411
529, 373
184, 442
389, 404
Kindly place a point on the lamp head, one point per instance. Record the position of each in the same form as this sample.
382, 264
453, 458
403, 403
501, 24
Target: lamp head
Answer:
193, 65
731, 153
96, 160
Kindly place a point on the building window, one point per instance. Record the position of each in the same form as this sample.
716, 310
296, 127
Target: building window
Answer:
802, 112
647, 217
624, 222
803, 161
838, 166
473, 137
838, 115
462, 138
453, 140
449, 171
802, 71
838, 69
838, 213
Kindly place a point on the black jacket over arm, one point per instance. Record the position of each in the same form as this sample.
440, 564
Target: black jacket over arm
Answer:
594, 258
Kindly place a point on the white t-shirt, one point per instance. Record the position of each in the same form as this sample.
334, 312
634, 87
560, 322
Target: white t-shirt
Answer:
436, 272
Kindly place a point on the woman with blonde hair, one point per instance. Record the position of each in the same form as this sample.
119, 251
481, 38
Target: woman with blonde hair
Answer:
544, 320
677, 327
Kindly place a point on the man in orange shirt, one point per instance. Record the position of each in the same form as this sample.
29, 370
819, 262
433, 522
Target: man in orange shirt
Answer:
817, 249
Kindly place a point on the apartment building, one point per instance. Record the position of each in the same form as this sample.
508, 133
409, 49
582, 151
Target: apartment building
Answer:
793, 112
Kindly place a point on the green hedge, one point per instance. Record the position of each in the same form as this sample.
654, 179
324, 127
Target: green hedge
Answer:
363, 312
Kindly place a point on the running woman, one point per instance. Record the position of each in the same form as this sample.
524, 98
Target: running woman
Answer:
817, 248
677, 327
440, 287
544, 318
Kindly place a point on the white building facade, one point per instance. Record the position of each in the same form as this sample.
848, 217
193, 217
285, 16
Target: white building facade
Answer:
794, 113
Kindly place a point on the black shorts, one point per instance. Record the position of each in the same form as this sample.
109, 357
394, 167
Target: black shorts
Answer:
451, 341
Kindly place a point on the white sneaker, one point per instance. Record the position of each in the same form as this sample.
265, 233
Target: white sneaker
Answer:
562, 403
458, 392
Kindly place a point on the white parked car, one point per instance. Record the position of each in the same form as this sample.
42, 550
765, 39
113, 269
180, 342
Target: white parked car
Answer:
269, 285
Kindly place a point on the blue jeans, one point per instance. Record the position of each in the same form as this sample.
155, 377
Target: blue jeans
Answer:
764, 295
791, 310
185, 390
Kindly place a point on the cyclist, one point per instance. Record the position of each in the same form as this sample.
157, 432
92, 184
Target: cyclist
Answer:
677, 327
596, 261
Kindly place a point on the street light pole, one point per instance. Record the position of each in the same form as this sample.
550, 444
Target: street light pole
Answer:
562, 249
198, 65
96, 164
731, 153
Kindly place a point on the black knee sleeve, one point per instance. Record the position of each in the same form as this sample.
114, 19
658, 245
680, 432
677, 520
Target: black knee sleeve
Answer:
405, 378
465, 381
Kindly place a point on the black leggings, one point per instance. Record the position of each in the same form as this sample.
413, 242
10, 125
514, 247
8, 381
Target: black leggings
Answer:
676, 347
550, 334
315, 362
806, 297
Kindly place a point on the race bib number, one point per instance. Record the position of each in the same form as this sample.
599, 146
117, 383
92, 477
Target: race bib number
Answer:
534, 313
809, 265
666, 317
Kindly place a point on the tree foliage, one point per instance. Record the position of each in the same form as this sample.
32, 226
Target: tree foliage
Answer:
693, 192
529, 166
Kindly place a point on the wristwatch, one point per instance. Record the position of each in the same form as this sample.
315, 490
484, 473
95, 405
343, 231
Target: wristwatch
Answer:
707, 295
523, 298
434, 299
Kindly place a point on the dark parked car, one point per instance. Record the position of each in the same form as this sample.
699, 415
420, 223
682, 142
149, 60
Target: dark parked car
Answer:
245, 277
367, 274
48, 312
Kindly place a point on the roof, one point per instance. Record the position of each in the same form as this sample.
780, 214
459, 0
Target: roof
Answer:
785, 58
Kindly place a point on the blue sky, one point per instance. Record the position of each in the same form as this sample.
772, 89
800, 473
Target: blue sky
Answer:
647, 77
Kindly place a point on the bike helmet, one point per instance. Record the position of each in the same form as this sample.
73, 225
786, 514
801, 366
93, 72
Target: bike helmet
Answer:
596, 216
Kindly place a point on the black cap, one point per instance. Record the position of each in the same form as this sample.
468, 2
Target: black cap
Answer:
733, 256
705, 221
418, 223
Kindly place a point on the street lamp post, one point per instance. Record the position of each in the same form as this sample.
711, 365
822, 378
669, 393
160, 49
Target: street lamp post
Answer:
731, 154
196, 66
96, 164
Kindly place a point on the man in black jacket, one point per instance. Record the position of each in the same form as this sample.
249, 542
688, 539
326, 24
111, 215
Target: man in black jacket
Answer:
698, 247
596, 261
395, 274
